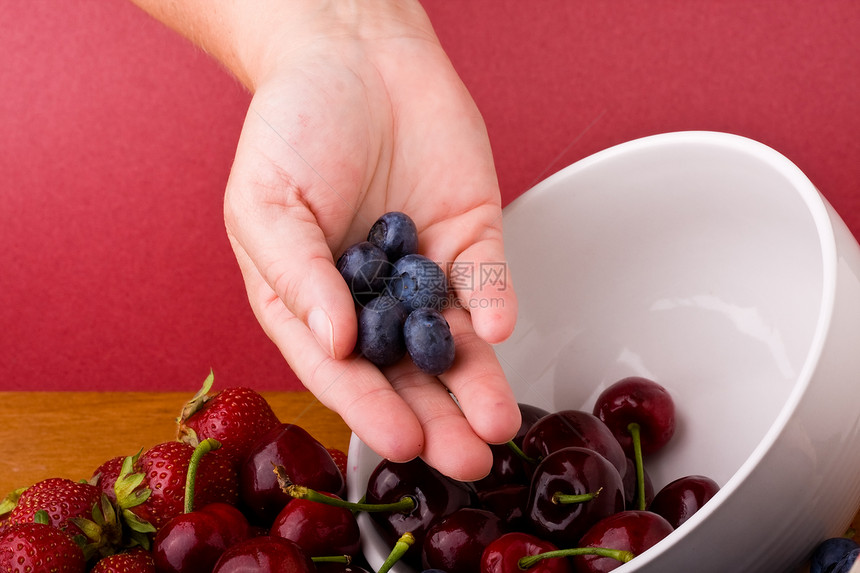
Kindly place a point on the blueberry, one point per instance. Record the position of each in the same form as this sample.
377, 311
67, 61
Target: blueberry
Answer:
829, 552
418, 282
380, 331
365, 268
429, 340
394, 233
845, 564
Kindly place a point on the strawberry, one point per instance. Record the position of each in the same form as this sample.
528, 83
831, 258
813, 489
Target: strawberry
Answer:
340, 459
235, 417
106, 475
63, 499
38, 546
151, 488
78, 508
135, 560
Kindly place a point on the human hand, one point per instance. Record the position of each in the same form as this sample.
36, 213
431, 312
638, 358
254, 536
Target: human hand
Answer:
355, 114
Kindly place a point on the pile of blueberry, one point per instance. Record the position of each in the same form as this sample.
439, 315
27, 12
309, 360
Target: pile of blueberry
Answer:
834, 555
399, 295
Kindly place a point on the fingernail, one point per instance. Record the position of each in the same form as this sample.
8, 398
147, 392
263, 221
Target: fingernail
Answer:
320, 325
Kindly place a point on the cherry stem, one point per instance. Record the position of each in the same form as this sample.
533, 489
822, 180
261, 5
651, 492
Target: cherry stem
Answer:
521, 454
404, 505
636, 434
201, 450
559, 498
617, 554
333, 559
400, 548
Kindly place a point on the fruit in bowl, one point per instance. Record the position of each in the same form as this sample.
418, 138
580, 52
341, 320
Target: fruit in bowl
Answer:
709, 263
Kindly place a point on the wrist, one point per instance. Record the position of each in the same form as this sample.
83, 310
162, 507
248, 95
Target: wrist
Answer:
280, 33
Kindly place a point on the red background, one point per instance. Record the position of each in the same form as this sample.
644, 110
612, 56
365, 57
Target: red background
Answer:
117, 138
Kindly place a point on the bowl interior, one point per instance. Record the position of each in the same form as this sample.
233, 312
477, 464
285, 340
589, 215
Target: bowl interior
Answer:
689, 258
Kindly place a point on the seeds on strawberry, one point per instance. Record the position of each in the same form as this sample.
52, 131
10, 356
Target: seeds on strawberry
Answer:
133, 561
339, 458
163, 470
235, 417
105, 476
39, 547
63, 499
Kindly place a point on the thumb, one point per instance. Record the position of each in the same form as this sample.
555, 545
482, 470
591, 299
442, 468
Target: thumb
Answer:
276, 236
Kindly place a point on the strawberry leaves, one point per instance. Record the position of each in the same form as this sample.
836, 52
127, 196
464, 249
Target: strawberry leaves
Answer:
130, 494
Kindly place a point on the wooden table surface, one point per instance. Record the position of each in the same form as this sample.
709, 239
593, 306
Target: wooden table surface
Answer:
69, 434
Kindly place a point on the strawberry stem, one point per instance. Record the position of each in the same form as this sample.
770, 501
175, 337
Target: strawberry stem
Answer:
617, 554
636, 434
201, 450
400, 548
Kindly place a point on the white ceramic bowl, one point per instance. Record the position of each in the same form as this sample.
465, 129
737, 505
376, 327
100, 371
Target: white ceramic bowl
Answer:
711, 264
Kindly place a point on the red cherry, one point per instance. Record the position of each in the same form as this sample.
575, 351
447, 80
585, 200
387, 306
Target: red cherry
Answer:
641, 401
188, 542
508, 468
233, 522
583, 474
306, 461
436, 496
573, 428
631, 530
265, 553
319, 529
680, 499
194, 541
503, 555
509, 502
456, 543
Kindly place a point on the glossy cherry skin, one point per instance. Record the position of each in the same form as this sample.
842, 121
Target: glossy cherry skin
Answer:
630, 530
456, 543
680, 499
319, 529
193, 542
306, 461
436, 497
509, 502
508, 468
573, 471
573, 428
640, 400
503, 555
265, 553
630, 485
234, 524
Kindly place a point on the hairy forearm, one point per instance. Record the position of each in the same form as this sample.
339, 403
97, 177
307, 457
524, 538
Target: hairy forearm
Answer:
213, 25
249, 36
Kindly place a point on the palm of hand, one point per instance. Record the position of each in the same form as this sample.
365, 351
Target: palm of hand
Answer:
328, 145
